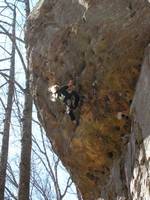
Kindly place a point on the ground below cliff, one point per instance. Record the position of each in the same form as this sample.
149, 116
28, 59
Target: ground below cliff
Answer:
99, 44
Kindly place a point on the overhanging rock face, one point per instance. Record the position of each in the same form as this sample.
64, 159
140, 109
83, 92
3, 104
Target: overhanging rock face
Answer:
98, 43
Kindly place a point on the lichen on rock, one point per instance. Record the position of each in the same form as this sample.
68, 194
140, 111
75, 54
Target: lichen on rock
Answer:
101, 45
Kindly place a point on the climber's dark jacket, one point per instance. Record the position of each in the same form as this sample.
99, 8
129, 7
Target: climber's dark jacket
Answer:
71, 99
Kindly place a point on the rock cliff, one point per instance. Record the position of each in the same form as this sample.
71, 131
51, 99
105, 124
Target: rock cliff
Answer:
100, 44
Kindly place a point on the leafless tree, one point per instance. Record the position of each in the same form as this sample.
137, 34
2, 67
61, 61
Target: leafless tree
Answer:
11, 179
26, 146
48, 186
8, 110
45, 155
25, 164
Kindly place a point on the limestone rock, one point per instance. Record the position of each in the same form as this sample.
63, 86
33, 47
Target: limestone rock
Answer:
101, 45
137, 159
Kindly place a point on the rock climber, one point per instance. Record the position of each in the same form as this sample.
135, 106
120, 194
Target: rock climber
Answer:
70, 98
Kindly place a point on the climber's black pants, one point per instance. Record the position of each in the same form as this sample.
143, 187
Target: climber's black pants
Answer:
72, 116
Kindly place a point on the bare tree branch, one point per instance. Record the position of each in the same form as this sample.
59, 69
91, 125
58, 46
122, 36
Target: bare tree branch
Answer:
69, 183
4, 8
2, 103
10, 193
10, 5
11, 176
4, 22
4, 59
3, 84
7, 76
7, 16
10, 35
5, 50
18, 51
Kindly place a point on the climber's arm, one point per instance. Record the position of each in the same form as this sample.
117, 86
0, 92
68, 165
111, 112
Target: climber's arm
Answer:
62, 90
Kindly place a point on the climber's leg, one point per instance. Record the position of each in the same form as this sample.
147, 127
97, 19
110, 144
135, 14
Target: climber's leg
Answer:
72, 116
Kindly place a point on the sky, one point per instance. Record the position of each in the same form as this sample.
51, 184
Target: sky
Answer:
15, 136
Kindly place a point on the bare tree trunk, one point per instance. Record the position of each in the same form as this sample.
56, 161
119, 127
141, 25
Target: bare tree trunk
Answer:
27, 7
24, 183
25, 164
5, 140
